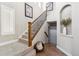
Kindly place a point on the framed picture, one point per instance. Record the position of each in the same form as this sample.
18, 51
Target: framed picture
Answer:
49, 6
28, 11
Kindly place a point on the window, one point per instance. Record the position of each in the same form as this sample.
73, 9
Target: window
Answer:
7, 20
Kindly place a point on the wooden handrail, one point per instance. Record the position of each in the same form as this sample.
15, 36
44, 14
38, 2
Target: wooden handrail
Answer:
29, 34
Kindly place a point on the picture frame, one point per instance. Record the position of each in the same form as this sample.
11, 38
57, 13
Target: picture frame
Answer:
28, 11
49, 6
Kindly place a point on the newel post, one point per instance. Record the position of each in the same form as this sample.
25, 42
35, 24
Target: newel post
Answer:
29, 34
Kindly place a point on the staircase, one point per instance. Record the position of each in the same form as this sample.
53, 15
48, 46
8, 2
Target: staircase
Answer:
24, 37
23, 45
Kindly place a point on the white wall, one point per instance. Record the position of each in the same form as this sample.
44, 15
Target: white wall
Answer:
75, 28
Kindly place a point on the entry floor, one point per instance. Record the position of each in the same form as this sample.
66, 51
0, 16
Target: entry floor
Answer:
50, 50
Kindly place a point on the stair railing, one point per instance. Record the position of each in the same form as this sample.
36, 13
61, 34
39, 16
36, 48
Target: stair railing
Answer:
34, 27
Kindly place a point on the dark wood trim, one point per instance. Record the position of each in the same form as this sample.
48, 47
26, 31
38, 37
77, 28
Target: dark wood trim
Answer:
29, 34
25, 10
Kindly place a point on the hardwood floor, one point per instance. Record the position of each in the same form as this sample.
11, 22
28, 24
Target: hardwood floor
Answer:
50, 50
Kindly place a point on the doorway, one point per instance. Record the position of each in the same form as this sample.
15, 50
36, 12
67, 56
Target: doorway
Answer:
52, 32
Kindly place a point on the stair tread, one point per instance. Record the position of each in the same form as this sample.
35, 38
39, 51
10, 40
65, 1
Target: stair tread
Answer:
23, 39
12, 49
24, 36
26, 32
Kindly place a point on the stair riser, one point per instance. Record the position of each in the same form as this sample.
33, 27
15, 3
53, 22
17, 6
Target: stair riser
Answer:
23, 41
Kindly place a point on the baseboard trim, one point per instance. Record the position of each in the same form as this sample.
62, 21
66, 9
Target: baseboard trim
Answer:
8, 42
68, 54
